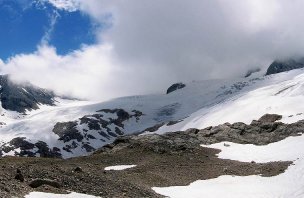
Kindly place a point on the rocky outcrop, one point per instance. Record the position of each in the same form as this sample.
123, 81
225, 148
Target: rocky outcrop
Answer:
67, 131
21, 147
285, 65
175, 87
103, 126
39, 182
260, 132
234, 88
270, 118
17, 97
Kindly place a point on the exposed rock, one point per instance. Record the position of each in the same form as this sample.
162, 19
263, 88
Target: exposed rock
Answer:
154, 166
107, 123
175, 87
16, 97
260, 133
88, 148
19, 176
21, 143
39, 182
29, 149
270, 118
285, 65
45, 151
234, 88
67, 131
170, 123
154, 128
78, 169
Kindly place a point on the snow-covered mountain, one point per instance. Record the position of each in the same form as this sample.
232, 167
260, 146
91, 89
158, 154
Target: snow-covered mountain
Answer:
278, 66
67, 128
22, 97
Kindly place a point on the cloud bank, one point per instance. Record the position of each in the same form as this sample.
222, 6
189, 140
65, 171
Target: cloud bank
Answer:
150, 44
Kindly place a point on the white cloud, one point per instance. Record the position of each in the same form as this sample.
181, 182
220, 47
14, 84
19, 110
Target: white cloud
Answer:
68, 5
53, 20
153, 43
83, 73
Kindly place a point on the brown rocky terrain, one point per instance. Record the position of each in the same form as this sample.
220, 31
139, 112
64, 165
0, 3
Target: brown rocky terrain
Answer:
162, 160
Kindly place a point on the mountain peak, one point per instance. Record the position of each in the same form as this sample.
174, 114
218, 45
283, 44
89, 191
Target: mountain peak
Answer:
22, 97
278, 66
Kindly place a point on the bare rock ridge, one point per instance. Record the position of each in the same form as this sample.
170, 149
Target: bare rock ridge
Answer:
17, 97
260, 132
284, 65
175, 87
90, 132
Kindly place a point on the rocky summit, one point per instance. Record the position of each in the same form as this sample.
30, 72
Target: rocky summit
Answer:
175, 87
22, 97
279, 66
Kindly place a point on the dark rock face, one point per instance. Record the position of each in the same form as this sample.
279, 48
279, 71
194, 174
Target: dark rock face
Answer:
67, 131
24, 97
78, 169
39, 182
27, 148
175, 87
19, 176
104, 125
154, 128
234, 88
287, 65
270, 118
259, 132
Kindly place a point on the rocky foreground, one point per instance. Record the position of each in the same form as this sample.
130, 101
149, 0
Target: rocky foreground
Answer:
162, 160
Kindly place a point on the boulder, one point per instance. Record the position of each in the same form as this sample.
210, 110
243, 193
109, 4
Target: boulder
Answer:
39, 182
175, 87
270, 118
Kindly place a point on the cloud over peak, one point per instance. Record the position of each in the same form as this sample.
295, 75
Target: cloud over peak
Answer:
153, 43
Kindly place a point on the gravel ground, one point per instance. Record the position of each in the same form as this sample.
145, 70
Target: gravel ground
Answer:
177, 167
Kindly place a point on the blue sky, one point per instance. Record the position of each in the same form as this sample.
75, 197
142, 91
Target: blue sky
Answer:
24, 23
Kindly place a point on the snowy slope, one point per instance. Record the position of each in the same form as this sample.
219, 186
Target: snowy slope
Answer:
288, 184
280, 94
74, 128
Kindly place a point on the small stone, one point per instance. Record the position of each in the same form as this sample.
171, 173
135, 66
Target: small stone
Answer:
78, 169
19, 176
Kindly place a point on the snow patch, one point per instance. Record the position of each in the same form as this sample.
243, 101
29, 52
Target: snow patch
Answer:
51, 195
119, 167
288, 184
